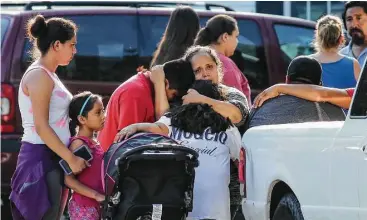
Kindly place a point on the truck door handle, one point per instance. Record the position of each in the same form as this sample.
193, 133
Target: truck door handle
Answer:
364, 149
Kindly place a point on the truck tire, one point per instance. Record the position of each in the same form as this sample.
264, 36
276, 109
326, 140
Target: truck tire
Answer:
288, 208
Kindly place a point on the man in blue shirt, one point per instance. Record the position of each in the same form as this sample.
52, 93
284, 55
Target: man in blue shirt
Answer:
355, 22
286, 109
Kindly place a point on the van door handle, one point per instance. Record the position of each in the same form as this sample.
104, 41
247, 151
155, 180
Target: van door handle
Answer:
364, 149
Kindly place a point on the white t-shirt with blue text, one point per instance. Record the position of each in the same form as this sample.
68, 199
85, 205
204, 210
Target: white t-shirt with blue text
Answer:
211, 192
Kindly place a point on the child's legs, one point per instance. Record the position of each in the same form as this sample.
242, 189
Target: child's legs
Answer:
77, 212
56, 195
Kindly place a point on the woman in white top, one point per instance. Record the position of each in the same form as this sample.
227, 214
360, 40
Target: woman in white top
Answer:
37, 190
214, 137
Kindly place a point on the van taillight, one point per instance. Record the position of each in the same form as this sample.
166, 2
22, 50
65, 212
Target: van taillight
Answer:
242, 169
7, 108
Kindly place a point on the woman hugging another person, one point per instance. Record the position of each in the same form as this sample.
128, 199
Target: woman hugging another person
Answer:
213, 136
207, 66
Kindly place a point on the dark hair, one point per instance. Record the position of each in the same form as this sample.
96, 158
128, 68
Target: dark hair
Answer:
179, 75
194, 117
305, 70
180, 34
214, 28
352, 4
76, 105
44, 33
194, 50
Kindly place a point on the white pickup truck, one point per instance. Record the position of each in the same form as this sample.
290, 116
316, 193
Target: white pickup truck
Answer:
315, 170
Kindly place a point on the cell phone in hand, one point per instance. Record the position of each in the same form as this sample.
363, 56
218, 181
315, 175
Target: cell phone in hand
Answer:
83, 152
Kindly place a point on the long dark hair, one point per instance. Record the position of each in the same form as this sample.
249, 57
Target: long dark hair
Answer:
214, 28
180, 34
195, 117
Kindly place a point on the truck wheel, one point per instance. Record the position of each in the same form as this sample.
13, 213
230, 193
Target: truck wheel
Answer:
288, 209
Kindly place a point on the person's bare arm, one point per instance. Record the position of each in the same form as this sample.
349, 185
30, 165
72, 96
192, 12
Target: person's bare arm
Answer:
161, 104
77, 186
357, 69
226, 109
82, 189
157, 128
338, 97
39, 87
313, 93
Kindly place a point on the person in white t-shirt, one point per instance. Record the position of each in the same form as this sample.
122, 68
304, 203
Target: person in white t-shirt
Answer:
216, 140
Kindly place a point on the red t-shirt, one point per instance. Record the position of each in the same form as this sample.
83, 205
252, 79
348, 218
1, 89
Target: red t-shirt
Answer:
350, 91
130, 103
233, 77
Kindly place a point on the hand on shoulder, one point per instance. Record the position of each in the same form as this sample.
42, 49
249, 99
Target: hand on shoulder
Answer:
157, 74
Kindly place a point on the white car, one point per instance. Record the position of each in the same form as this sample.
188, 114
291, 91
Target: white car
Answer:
315, 170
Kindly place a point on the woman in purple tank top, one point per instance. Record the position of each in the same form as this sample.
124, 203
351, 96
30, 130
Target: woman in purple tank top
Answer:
338, 71
37, 184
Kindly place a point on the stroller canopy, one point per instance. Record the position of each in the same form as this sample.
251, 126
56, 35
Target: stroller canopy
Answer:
110, 168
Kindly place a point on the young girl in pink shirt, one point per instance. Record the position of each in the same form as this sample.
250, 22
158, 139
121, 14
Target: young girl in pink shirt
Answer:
86, 112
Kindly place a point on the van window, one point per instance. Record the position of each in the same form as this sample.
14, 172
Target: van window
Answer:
4, 28
294, 41
203, 21
250, 55
150, 29
105, 52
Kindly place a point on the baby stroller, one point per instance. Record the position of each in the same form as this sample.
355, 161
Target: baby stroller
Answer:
148, 176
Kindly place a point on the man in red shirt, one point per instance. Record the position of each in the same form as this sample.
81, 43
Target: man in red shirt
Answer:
133, 101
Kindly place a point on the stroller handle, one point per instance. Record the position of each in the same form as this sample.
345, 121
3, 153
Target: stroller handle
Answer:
161, 147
